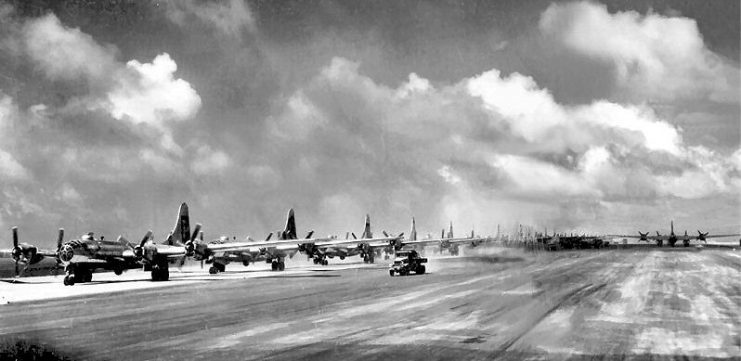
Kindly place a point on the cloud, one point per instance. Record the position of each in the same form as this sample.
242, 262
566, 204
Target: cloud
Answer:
653, 56
135, 92
66, 53
148, 93
501, 138
230, 18
210, 162
10, 168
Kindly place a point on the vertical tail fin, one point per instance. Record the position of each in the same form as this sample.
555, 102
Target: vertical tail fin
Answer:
672, 226
367, 231
450, 231
290, 231
413, 232
181, 232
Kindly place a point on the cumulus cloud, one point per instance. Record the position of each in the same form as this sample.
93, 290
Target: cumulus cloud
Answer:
148, 93
500, 137
135, 92
653, 56
67, 53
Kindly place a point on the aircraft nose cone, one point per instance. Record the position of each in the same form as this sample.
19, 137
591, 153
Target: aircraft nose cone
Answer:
66, 253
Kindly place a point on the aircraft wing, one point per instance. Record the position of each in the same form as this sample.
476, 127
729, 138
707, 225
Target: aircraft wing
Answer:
169, 251
719, 236
256, 246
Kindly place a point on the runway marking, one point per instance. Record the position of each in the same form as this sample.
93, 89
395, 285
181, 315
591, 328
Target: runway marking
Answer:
434, 300
235, 339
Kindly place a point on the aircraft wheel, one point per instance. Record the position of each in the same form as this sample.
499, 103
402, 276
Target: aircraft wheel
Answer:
245, 263
165, 275
421, 270
213, 270
220, 267
69, 280
118, 270
88, 275
391, 273
403, 272
281, 266
325, 262
274, 266
342, 258
372, 260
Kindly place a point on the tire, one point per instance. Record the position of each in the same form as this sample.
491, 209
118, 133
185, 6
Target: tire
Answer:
213, 270
325, 262
342, 258
421, 270
69, 280
88, 276
245, 263
165, 275
117, 270
274, 266
220, 267
391, 273
281, 266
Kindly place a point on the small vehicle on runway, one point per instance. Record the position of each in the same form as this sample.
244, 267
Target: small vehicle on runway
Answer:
407, 262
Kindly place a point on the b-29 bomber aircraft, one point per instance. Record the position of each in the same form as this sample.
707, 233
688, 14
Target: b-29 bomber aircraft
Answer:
82, 256
287, 244
366, 247
672, 238
29, 255
222, 252
450, 243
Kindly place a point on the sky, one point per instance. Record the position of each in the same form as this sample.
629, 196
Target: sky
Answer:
572, 115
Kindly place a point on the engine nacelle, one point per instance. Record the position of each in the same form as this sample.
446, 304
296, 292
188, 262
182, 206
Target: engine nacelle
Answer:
66, 253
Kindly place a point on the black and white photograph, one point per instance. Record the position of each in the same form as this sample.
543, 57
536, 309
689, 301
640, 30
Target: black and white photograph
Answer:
370, 180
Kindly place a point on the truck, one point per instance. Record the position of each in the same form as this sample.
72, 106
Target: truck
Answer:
406, 262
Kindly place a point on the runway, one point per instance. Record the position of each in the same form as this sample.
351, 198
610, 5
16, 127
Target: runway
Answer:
496, 304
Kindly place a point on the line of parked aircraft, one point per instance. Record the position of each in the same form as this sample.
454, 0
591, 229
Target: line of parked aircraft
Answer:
80, 257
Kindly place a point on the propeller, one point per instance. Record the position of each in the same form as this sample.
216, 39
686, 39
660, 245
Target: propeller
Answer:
190, 244
269, 236
644, 236
60, 240
701, 236
353, 235
308, 235
139, 250
17, 251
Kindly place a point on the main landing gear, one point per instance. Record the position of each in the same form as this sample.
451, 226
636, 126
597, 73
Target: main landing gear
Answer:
77, 275
160, 271
216, 268
277, 265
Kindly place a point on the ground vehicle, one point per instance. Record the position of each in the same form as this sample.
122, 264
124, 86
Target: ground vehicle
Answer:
406, 262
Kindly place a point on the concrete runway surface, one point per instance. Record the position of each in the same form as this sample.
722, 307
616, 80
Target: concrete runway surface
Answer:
497, 304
